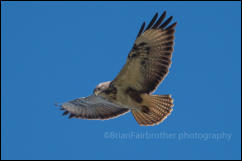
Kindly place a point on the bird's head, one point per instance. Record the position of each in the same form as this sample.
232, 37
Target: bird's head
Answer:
101, 87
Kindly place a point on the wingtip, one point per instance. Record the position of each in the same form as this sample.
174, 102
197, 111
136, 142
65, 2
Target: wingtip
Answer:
71, 116
175, 23
65, 113
168, 20
56, 105
172, 26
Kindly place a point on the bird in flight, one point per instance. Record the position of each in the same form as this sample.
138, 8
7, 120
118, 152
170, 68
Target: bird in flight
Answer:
147, 65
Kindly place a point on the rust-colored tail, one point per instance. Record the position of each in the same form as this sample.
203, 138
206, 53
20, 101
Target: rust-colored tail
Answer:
154, 109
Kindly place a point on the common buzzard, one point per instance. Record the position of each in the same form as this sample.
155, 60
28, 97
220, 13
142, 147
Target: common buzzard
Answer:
147, 65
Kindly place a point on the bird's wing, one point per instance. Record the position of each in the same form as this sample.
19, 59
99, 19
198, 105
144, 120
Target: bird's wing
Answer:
150, 58
92, 107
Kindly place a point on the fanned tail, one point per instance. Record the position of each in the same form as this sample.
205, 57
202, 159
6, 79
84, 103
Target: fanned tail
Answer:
154, 109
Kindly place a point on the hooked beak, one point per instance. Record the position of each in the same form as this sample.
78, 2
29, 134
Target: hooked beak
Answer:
95, 91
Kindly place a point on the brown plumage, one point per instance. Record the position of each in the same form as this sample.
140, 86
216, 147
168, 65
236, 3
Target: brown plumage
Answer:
149, 59
147, 65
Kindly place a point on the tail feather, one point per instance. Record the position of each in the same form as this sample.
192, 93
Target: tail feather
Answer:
159, 107
140, 118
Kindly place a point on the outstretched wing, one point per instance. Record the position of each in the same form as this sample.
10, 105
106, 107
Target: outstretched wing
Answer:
92, 107
150, 58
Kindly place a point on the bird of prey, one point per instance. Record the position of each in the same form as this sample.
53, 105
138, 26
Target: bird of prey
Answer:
147, 65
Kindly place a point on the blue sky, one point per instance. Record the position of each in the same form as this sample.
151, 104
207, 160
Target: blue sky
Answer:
53, 52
